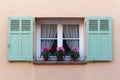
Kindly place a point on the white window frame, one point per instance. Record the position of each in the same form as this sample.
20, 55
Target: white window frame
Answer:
60, 24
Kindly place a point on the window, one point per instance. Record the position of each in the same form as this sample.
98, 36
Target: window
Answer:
54, 33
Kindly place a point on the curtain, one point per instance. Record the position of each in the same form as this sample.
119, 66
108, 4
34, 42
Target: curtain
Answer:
71, 31
48, 31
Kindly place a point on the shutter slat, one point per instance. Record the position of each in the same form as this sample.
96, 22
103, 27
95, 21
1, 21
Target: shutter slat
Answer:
93, 25
15, 25
104, 25
25, 25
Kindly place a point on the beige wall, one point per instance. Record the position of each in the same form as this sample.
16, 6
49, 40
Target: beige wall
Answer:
59, 8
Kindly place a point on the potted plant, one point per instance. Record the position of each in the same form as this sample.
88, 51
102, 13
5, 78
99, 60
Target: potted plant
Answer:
60, 52
73, 53
46, 53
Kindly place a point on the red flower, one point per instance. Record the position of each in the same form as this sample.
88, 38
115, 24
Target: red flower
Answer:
47, 49
60, 48
74, 49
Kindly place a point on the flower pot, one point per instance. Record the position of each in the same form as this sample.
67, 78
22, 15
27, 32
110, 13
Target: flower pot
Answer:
46, 58
52, 58
73, 58
59, 58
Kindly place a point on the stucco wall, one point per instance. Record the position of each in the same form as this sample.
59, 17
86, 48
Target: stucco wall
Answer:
59, 8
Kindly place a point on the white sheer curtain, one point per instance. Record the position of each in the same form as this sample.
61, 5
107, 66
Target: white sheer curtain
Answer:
71, 31
48, 31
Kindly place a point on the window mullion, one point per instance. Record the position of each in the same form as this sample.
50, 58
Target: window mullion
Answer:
59, 35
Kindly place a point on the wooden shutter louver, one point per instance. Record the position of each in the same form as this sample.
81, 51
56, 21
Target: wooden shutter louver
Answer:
15, 25
93, 25
25, 25
104, 25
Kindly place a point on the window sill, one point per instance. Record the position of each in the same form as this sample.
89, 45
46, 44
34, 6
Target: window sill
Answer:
60, 62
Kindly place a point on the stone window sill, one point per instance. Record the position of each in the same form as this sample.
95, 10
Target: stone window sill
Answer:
59, 62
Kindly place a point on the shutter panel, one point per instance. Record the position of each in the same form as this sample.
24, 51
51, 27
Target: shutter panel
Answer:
14, 39
20, 43
99, 38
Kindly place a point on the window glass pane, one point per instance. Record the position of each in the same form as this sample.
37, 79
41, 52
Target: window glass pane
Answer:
48, 31
69, 44
49, 43
70, 31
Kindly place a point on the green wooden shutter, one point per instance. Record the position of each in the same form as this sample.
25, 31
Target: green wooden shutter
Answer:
99, 38
20, 39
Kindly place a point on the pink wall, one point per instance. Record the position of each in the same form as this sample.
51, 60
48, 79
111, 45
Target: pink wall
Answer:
59, 8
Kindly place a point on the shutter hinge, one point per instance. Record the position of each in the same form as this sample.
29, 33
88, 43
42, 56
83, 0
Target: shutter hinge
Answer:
33, 56
8, 45
85, 57
33, 23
